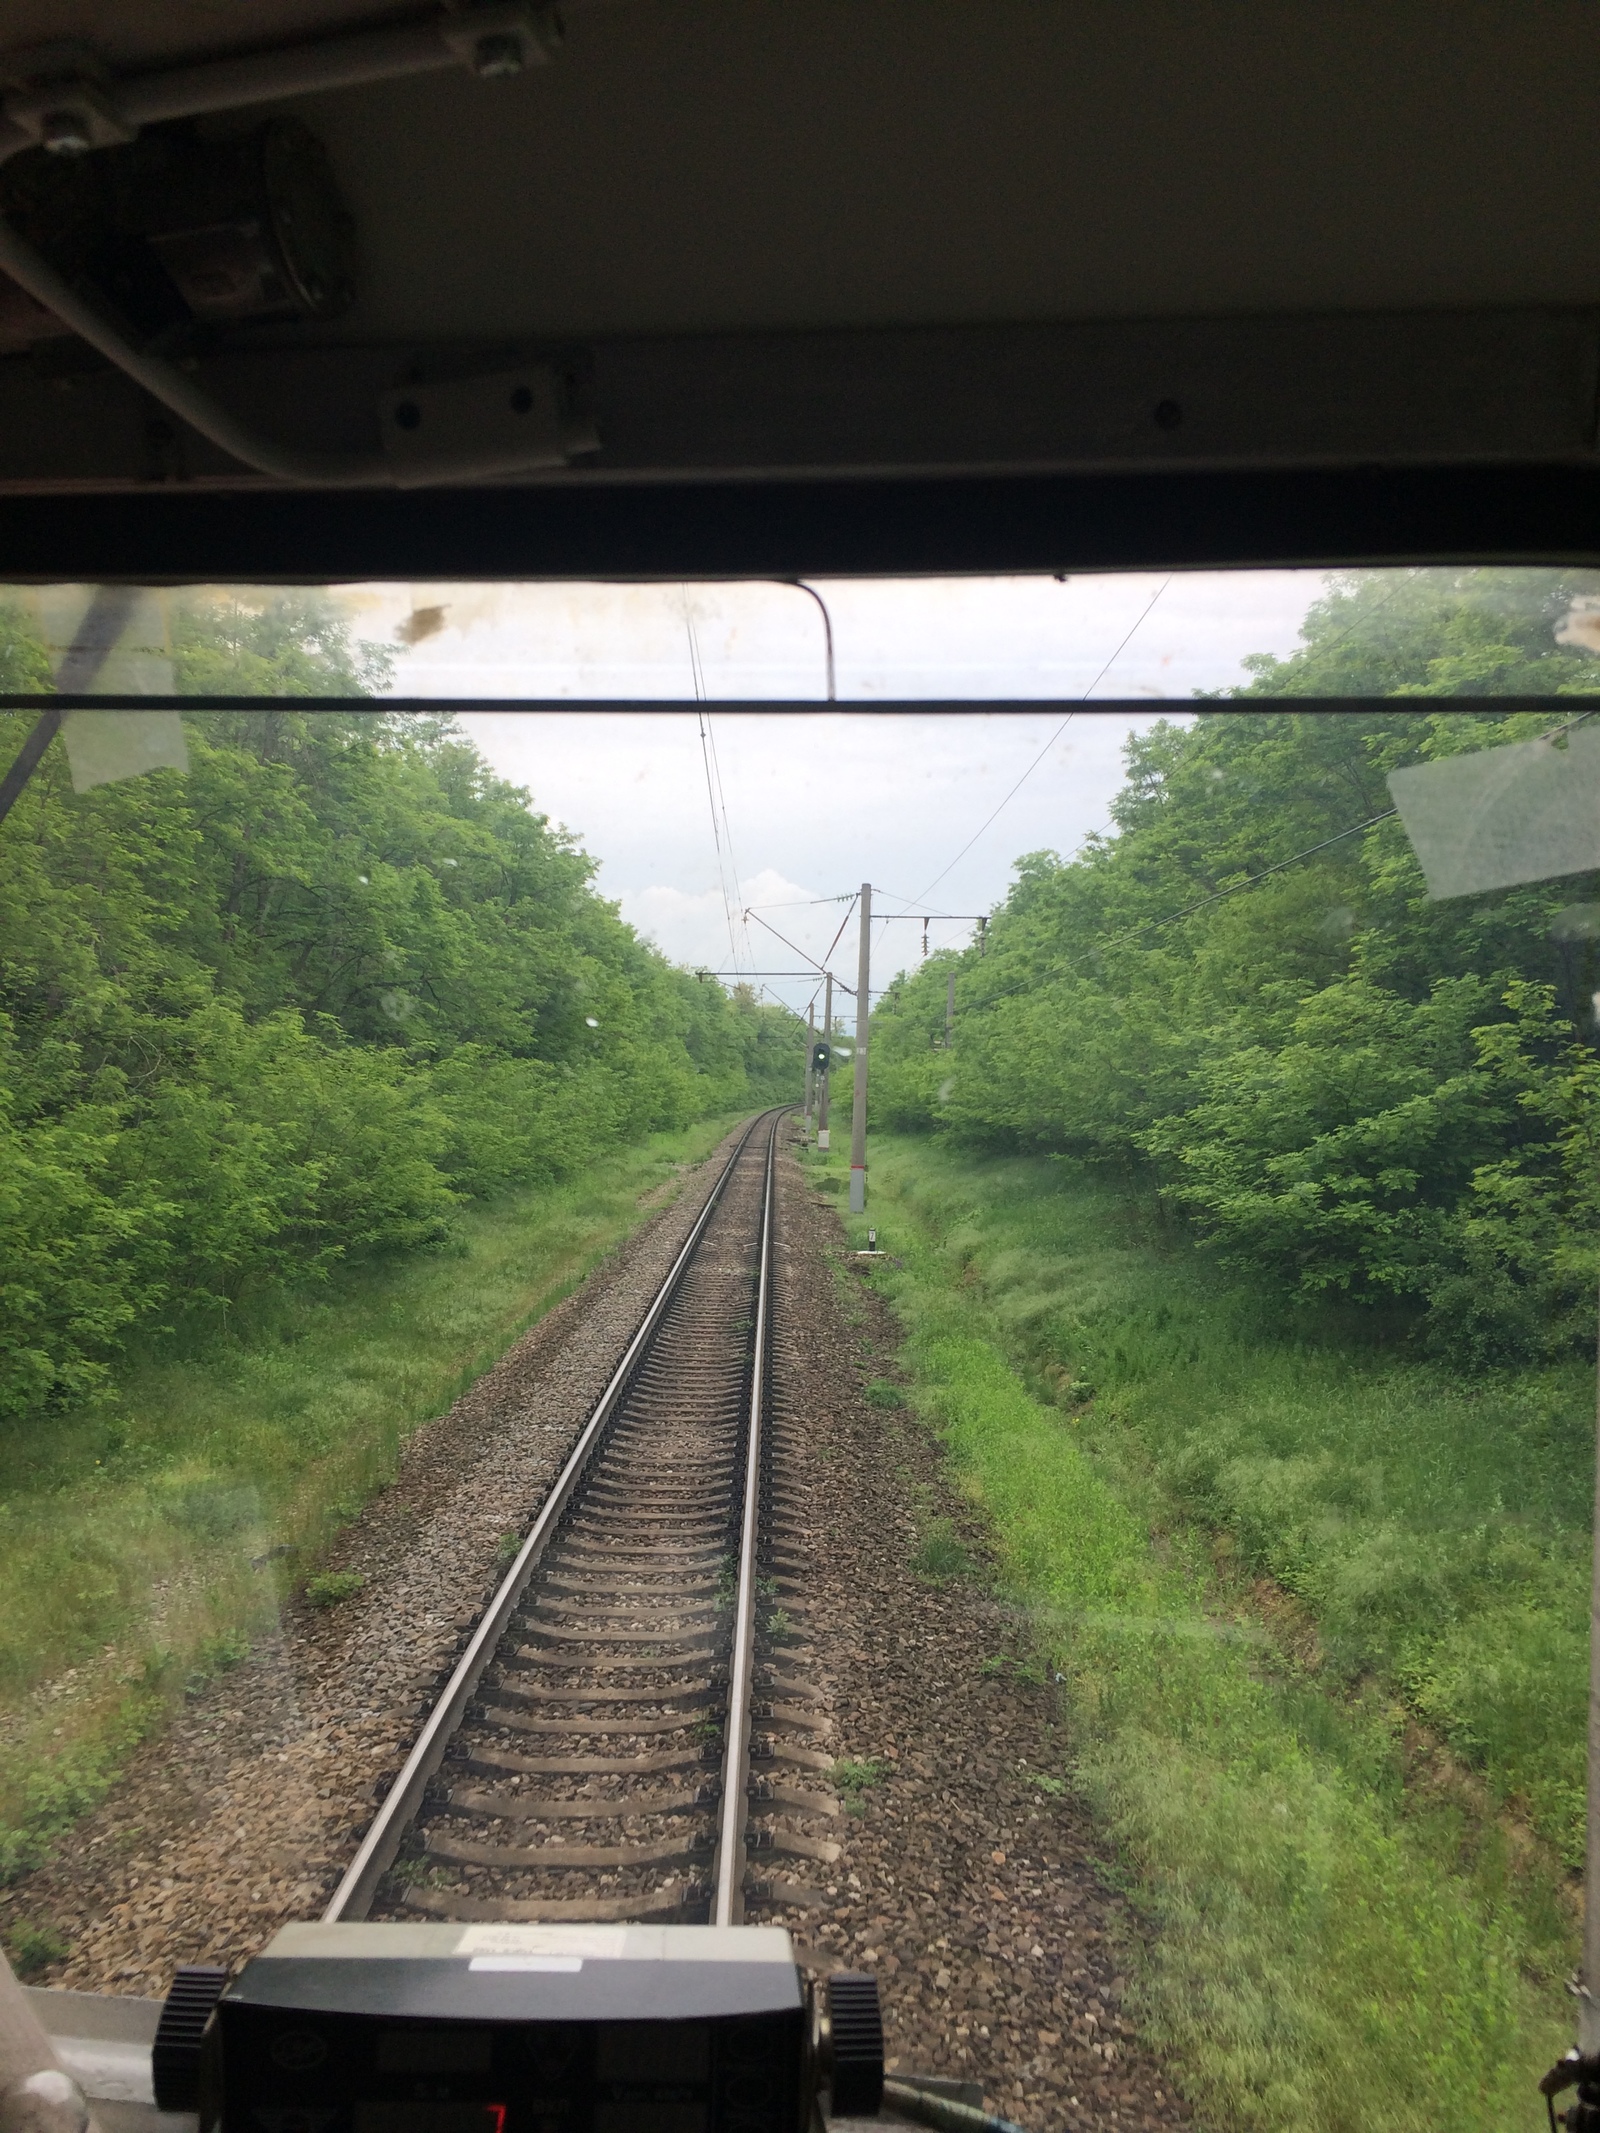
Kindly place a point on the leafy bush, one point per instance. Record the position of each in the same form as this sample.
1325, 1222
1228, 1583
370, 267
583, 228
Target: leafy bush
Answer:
34, 1948
329, 1587
296, 1005
941, 1555
855, 1775
1245, 1002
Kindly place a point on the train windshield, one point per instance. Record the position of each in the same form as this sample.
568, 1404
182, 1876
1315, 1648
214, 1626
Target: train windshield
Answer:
912, 1259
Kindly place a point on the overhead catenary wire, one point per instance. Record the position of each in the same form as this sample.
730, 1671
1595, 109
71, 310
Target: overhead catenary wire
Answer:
804, 955
796, 949
808, 903
713, 781
1237, 888
855, 899
1049, 744
727, 832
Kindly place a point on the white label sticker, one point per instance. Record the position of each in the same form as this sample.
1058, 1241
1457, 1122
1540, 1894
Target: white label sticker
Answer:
526, 1962
598, 1941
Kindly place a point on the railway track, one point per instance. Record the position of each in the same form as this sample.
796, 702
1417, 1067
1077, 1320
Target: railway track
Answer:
628, 1733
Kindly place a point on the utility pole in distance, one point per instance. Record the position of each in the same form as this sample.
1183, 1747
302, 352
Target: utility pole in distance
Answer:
858, 1108
811, 1038
827, 1035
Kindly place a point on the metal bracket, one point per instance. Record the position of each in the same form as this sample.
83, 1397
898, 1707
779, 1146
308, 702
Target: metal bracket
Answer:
478, 425
462, 431
496, 40
60, 97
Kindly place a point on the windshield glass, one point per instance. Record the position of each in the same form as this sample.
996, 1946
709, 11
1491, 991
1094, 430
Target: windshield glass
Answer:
1167, 1639
1141, 636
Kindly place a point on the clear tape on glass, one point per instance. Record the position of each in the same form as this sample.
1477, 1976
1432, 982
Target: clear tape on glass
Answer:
105, 745
1499, 816
108, 639
112, 640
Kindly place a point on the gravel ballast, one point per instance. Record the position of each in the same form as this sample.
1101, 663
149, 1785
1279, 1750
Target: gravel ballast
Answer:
244, 1811
980, 1900
978, 1896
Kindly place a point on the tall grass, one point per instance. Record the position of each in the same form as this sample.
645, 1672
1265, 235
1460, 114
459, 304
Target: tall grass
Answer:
144, 1543
1258, 1552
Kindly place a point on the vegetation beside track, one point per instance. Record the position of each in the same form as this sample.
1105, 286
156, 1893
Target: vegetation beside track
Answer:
1255, 1226
324, 1070
143, 1544
300, 1004
1243, 1004
1244, 1547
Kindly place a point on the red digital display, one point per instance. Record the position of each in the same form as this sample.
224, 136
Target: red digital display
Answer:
434, 2115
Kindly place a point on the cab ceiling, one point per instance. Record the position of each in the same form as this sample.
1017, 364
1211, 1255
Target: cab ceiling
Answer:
806, 239
689, 166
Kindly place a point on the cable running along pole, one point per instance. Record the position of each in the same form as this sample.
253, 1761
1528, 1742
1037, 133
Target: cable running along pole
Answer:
858, 1107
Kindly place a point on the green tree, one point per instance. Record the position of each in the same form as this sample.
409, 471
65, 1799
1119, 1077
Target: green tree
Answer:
1243, 997
254, 641
298, 1002
24, 661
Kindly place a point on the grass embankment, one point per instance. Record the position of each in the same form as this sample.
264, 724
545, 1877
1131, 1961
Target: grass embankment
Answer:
1320, 1612
145, 1542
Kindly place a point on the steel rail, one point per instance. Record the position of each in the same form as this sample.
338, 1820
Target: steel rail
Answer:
727, 1898
376, 1853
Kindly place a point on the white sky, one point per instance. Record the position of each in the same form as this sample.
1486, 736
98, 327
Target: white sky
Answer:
818, 803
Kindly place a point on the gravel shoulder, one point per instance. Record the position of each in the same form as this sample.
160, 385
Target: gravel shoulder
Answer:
983, 1902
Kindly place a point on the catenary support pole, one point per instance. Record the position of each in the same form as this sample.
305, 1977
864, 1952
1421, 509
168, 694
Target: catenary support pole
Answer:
858, 1106
811, 1040
827, 1038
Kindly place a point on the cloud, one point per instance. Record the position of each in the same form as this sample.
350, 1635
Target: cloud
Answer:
833, 796
692, 927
